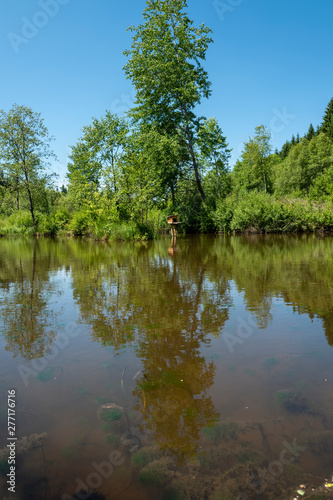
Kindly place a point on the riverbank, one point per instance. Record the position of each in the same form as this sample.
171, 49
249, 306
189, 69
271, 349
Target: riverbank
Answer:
262, 213
237, 214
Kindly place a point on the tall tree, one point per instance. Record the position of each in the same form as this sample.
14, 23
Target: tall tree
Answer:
254, 171
311, 133
96, 154
165, 67
306, 162
214, 149
24, 150
327, 125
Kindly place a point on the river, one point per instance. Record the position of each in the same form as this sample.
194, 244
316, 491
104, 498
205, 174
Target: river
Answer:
147, 371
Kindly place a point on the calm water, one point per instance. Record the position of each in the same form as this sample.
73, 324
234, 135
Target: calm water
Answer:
147, 372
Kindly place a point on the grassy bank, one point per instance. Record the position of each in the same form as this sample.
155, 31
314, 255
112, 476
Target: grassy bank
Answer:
262, 213
78, 224
246, 213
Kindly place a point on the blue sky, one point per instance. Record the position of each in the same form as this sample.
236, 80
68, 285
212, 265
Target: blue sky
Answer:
271, 63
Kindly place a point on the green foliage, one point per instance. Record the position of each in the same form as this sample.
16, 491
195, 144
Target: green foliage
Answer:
111, 415
18, 223
24, 151
164, 64
302, 169
155, 473
79, 224
257, 212
327, 125
143, 457
254, 171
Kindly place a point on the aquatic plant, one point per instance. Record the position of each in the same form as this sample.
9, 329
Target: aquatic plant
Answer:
319, 442
111, 415
174, 491
223, 431
46, 375
270, 363
283, 395
144, 456
156, 472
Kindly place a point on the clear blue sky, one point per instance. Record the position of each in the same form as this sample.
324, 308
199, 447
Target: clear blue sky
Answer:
271, 63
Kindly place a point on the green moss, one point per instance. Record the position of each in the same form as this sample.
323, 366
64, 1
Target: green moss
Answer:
270, 363
282, 396
46, 375
143, 457
248, 456
111, 415
156, 473
221, 432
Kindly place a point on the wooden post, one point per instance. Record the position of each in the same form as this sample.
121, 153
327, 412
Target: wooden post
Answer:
173, 232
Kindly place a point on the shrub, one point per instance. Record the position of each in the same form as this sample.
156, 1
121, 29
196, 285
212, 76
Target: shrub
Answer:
259, 212
79, 225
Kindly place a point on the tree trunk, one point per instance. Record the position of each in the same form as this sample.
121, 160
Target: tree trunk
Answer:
194, 163
31, 205
264, 175
188, 132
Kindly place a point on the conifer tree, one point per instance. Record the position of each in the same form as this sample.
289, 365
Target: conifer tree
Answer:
327, 125
311, 133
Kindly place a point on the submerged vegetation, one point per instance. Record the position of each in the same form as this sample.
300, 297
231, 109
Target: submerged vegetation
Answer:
126, 174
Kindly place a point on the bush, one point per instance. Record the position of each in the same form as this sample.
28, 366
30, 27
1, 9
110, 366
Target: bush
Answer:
259, 212
19, 222
79, 225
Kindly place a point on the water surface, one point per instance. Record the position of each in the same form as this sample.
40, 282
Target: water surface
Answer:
144, 371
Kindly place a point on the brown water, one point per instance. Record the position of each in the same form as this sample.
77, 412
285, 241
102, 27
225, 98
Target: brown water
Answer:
214, 359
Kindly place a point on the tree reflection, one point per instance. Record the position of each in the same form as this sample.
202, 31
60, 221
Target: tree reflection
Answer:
27, 319
166, 306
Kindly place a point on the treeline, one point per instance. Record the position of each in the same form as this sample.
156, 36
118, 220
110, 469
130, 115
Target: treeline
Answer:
126, 174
